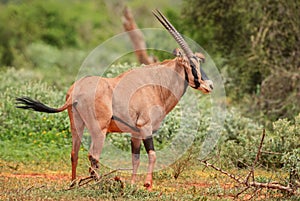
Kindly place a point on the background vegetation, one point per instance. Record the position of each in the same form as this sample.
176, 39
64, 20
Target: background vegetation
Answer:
254, 44
258, 45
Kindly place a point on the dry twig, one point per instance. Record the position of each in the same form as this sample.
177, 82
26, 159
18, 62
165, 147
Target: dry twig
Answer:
252, 183
34, 187
251, 172
84, 181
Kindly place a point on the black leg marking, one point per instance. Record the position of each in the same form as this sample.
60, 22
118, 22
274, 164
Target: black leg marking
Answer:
135, 149
148, 143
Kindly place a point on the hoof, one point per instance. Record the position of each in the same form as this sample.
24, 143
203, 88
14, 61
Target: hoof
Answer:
148, 186
94, 174
73, 183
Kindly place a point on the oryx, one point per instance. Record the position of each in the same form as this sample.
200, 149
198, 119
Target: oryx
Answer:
136, 101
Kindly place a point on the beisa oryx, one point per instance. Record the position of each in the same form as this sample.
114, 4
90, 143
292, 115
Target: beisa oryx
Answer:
135, 102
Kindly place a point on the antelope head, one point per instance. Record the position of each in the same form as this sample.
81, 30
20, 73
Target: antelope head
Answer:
200, 79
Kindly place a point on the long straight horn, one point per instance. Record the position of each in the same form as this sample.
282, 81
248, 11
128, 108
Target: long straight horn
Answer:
176, 35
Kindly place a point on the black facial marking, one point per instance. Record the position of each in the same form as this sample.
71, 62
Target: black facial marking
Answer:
186, 83
194, 72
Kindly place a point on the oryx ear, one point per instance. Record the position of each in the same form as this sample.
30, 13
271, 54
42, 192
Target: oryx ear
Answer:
200, 56
177, 52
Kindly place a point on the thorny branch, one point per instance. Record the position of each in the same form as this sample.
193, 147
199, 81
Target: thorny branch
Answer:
34, 187
251, 172
232, 176
252, 183
84, 181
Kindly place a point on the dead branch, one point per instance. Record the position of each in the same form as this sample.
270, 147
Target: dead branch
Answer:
113, 171
86, 180
248, 184
271, 152
242, 191
275, 186
34, 187
137, 38
232, 176
251, 172
255, 192
13, 168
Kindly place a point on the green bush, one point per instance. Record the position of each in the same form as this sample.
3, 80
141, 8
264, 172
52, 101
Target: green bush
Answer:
30, 132
291, 161
52, 62
239, 140
258, 42
238, 146
281, 142
25, 22
241, 137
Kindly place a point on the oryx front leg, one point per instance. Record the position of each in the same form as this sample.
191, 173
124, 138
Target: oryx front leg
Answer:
148, 143
135, 150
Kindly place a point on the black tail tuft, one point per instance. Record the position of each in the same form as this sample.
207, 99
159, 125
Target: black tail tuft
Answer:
28, 103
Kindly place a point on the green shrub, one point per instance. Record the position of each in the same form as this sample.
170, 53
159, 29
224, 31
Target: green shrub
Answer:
282, 141
258, 41
241, 137
26, 131
239, 140
25, 22
52, 62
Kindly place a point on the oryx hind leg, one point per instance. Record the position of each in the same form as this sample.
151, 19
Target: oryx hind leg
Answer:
77, 127
98, 136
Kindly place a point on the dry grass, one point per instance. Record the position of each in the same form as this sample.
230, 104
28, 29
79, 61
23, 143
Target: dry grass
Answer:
194, 184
